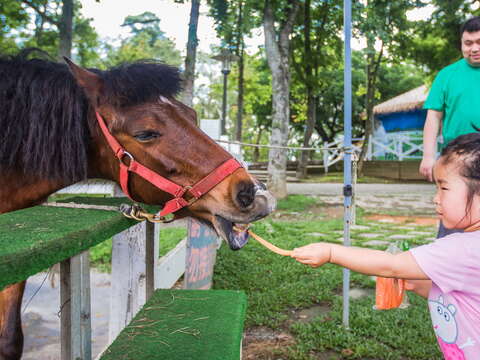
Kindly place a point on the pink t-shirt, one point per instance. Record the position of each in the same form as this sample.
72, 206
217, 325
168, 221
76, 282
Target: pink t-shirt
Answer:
453, 265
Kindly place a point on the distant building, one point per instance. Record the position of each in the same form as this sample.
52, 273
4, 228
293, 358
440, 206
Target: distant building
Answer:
399, 126
403, 112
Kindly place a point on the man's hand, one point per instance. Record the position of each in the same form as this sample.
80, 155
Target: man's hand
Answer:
426, 168
314, 255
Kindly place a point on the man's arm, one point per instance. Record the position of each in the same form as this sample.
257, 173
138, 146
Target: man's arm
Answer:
430, 133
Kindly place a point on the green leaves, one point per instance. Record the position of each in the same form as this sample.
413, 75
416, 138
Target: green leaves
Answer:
140, 47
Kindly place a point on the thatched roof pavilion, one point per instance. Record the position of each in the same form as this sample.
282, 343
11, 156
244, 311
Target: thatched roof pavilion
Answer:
409, 101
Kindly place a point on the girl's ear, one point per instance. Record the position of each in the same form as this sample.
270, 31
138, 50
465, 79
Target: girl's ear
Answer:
91, 83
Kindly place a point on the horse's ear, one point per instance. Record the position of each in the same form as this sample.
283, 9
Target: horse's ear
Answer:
91, 83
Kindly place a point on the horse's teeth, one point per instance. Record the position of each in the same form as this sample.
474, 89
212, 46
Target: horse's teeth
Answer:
241, 227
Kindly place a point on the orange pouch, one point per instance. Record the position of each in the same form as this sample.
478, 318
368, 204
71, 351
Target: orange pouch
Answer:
389, 293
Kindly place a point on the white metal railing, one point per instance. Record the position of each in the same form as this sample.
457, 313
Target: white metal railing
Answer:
398, 146
393, 146
333, 152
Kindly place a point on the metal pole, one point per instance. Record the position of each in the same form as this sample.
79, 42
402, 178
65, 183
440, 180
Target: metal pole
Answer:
224, 103
347, 143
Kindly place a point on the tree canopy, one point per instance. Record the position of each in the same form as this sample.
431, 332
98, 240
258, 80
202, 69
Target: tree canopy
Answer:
399, 54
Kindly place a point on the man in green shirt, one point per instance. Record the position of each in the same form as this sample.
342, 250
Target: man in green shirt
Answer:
454, 100
453, 103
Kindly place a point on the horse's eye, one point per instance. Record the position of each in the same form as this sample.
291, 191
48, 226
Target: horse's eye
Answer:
146, 135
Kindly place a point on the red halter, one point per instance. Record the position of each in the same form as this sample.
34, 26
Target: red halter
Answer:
178, 202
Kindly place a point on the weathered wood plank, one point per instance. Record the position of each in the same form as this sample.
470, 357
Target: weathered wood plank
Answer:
129, 281
65, 311
76, 333
171, 266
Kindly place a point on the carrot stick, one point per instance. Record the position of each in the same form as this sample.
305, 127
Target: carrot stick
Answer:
269, 246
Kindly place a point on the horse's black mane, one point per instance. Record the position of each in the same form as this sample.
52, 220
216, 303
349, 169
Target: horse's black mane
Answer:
43, 112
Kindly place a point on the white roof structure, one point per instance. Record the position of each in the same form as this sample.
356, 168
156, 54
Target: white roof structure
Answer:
411, 100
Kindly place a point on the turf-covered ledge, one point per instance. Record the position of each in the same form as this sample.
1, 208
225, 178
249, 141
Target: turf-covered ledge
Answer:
184, 325
36, 238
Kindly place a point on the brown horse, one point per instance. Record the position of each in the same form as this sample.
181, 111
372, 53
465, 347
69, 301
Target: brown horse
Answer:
50, 138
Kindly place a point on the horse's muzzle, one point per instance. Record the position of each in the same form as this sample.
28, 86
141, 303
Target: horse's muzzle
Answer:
232, 227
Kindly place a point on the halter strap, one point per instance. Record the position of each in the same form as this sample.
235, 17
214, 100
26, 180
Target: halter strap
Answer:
196, 191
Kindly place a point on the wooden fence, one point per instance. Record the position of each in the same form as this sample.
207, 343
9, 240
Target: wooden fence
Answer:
136, 269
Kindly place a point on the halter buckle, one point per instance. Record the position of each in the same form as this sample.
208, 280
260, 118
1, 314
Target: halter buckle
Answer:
185, 189
121, 155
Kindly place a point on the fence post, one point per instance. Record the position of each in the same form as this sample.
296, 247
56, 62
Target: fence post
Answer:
76, 330
202, 244
65, 311
369, 148
400, 148
134, 258
325, 157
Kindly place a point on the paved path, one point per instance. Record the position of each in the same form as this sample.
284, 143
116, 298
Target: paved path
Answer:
41, 321
361, 189
412, 199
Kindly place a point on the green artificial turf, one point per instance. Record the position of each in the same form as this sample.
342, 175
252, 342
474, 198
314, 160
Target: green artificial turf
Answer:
184, 325
36, 238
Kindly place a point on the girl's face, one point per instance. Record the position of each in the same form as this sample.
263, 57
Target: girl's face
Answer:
451, 198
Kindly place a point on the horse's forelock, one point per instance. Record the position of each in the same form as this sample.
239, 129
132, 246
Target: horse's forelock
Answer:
139, 82
43, 112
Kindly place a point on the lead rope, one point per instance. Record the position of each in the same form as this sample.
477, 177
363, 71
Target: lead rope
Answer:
133, 211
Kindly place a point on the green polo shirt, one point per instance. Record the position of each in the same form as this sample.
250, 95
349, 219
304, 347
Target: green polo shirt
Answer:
456, 92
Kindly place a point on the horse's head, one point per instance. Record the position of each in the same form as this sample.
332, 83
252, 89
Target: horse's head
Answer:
137, 104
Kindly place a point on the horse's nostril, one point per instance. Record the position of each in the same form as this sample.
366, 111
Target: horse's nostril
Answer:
246, 195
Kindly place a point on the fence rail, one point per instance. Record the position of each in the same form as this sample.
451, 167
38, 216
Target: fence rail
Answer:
394, 146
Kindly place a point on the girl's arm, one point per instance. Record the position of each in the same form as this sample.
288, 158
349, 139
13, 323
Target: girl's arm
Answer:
365, 261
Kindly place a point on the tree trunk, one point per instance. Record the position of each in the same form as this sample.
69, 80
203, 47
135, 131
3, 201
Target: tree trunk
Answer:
241, 80
65, 29
373, 64
189, 75
278, 61
311, 120
310, 123
241, 66
256, 149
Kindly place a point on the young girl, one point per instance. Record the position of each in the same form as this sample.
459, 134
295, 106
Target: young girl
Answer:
449, 268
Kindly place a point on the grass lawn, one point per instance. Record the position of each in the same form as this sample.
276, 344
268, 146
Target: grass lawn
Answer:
279, 289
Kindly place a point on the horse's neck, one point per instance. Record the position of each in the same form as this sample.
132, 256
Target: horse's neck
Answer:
18, 191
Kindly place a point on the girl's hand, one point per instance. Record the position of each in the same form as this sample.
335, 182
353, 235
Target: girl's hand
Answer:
420, 287
313, 254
